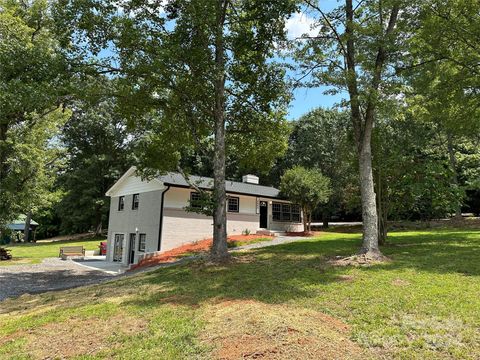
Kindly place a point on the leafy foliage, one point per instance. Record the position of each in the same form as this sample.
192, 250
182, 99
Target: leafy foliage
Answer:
307, 188
321, 140
33, 80
97, 144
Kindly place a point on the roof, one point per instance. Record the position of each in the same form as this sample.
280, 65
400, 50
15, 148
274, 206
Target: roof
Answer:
21, 221
177, 179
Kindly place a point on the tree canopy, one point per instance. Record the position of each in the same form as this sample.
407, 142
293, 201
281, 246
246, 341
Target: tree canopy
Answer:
307, 188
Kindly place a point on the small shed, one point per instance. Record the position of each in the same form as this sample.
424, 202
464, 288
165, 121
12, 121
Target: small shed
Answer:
18, 226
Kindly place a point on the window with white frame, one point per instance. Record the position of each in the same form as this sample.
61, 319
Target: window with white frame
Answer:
141, 242
121, 203
195, 200
135, 201
277, 211
296, 217
233, 204
286, 212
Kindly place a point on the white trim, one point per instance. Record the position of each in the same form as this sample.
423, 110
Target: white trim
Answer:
113, 190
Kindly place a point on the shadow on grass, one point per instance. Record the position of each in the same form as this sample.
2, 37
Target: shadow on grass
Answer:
272, 275
299, 270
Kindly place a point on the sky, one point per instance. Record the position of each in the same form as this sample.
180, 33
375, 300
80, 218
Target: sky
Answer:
306, 99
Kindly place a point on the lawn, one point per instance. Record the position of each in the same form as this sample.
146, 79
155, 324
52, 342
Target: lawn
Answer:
282, 302
34, 253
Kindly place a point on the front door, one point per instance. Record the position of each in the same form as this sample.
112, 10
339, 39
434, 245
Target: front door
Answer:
118, 247
131, 253
263, 214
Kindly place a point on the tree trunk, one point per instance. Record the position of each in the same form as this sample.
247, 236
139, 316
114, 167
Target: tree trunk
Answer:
369, 207
305, 220
219, 250
26, 229
363, 124
98, 221
381, 211
325, 218
310, 222
453, 166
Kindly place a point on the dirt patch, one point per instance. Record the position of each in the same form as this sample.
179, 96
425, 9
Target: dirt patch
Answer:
77, 336
359, 260
346, 278
400, 282
253, 330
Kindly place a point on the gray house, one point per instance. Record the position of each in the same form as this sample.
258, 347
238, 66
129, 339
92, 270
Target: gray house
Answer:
149, 216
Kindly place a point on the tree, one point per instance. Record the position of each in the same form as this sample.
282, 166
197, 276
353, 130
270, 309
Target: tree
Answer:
443, 74
307, 188
33, 78
43, 157
320, 140
411, 170
195, 74
97, 146
352, 52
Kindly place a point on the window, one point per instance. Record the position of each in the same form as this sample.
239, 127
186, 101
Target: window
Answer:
277, 211
286, 212
195, 200
233, 204
296, 213
135, 201
141, 242
121, 203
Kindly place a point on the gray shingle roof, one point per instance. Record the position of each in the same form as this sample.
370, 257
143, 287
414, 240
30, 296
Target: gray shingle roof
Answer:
177, 179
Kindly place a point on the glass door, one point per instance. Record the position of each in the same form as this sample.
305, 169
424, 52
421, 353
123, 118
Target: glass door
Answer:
118, 247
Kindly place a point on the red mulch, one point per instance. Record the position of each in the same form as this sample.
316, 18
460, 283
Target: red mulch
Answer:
196, 247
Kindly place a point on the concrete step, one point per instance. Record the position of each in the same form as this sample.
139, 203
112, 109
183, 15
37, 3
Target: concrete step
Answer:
267, 232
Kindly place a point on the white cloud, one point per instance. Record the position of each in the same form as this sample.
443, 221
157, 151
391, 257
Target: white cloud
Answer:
300, 24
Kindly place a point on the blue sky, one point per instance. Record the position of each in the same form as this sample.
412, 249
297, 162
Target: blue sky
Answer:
306, 99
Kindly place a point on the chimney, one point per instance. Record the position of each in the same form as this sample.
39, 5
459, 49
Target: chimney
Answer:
250, 179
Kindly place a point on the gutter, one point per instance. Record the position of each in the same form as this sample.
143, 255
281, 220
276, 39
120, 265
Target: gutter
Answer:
160, 226
229, 192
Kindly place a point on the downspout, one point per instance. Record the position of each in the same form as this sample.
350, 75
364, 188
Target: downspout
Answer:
161, 218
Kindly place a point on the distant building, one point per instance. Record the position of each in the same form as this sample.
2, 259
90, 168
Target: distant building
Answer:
18, 226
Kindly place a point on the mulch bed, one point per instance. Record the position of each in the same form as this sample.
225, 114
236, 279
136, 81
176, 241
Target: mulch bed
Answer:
196, 247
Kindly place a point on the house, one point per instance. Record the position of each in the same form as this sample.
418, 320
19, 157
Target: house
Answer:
149, 216
18, 227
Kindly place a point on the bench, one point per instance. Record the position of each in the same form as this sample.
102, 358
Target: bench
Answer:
67, 251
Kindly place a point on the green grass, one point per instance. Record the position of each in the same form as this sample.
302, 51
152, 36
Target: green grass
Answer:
34, 253
424, 304
238, 243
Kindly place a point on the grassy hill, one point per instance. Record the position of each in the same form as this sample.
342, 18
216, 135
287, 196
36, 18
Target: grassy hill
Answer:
283, 302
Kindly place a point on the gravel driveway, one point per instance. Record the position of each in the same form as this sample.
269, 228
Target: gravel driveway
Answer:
51, 274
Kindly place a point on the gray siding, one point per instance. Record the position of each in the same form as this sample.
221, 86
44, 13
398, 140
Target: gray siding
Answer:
145, 220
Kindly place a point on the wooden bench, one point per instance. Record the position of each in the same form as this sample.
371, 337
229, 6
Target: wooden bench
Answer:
67, 251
